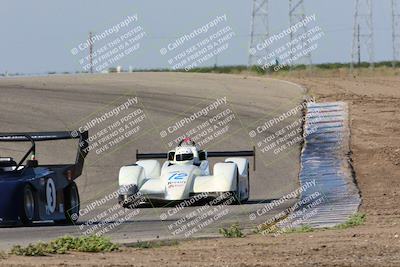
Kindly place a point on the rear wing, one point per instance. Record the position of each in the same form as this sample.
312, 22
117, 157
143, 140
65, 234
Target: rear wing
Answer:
49, 136
211, 154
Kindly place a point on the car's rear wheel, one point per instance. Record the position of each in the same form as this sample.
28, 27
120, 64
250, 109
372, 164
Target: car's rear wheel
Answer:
71, 205
29, 206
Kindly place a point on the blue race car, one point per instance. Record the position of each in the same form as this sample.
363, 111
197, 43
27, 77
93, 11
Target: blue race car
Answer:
33, 192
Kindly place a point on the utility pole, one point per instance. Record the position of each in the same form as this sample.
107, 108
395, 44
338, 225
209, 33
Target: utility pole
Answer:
297, 14
363, 32
91, 51
259, 30
396, 31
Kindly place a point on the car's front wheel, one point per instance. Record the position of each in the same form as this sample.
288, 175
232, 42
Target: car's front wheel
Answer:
248, 184
237, 193
29, 205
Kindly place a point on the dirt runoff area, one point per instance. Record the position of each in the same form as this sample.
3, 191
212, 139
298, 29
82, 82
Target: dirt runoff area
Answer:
374, 101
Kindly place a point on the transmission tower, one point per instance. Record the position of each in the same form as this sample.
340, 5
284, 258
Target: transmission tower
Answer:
297, 14
259, 31
396, 31
363, 32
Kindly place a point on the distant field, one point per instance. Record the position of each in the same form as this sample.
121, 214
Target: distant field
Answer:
381, 68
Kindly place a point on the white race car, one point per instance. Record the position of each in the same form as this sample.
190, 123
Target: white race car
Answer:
184, 174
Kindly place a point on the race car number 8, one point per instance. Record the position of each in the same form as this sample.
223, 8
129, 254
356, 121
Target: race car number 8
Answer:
51, 195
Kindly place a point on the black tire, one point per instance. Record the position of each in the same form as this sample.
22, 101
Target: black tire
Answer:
237, 192
71, 205
123, 203
28, 207
248, 184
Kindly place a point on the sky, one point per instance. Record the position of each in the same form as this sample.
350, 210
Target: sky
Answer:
37, 36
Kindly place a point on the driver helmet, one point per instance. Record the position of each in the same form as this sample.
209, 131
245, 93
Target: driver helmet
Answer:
184, 154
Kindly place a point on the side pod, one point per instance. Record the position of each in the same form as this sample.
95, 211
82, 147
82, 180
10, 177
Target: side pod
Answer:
223, 179
131, 175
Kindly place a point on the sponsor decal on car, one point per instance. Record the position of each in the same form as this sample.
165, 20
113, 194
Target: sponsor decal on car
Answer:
177, 179
176, 176
51, 196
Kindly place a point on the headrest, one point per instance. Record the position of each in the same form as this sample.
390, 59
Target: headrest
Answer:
7, 162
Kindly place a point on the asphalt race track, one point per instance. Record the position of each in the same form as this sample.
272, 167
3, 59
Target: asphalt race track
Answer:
68, 102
